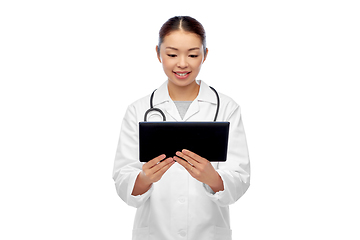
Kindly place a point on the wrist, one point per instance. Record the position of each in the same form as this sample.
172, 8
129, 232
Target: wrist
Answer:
144, 179
217, 184
141, 185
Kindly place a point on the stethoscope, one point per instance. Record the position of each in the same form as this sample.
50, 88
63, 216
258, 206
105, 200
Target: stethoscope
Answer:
162, 113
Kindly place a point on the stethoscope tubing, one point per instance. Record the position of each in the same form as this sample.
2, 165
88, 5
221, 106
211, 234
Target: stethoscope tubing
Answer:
218, 103
162, 113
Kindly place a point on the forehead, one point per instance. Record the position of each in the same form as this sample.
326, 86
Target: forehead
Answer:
182, 40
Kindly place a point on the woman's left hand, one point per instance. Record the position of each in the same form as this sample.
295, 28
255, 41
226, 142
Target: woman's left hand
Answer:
200, 169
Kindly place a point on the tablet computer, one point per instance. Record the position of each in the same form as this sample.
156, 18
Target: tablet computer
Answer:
207, 139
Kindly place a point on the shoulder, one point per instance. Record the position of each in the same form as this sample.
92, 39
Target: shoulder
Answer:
227, 103
144, 102
227, 99
137, 108
141, 102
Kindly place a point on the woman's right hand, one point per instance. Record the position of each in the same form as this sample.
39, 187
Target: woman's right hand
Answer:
152, 171
155, 168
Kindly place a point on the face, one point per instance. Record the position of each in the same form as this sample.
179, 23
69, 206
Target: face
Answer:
181, 54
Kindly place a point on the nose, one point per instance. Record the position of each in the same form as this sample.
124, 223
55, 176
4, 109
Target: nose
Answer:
182, 62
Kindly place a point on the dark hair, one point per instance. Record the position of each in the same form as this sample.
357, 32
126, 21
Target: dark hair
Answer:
185, 23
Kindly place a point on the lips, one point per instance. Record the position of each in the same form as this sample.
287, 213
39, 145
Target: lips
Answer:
182, 75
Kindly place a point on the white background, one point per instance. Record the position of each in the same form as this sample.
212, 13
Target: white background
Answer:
68, 70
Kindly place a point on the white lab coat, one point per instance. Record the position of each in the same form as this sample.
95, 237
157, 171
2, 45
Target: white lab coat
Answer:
179, 206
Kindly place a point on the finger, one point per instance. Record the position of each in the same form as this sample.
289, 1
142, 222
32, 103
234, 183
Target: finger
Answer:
184, 163
157, 167
193, 156
161, 165
191, 169
154, 161
161, 172
187, 158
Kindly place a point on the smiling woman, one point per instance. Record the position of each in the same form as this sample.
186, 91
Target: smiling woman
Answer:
182, 195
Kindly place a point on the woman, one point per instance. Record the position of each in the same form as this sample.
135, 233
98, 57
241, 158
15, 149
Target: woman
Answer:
177, 199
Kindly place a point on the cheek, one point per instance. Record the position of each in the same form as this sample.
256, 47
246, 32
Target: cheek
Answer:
167, 65
197, 64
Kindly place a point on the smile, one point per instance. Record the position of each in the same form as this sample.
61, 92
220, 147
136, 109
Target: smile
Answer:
182, 75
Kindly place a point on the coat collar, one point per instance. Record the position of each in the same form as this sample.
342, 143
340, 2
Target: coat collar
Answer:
205, 94
163, 101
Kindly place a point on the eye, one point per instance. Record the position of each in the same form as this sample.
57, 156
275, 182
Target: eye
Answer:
193, 56
172, 55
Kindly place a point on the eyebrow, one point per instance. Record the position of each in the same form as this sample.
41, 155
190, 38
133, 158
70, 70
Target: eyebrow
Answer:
191, 49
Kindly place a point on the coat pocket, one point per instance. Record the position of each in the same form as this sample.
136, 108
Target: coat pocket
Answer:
222, 233
140, 234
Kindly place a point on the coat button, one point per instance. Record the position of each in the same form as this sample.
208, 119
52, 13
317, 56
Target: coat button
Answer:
182, 233
182, 200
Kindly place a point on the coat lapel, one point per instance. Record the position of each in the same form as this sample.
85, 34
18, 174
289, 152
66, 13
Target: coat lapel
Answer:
163, 101
172, 110
193, 109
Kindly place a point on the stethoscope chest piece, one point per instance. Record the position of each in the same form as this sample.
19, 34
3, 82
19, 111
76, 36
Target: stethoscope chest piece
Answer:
157, 110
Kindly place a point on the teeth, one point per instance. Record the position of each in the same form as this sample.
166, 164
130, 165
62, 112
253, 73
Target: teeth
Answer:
181, 74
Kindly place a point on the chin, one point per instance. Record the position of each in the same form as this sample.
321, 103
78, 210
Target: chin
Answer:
181, 83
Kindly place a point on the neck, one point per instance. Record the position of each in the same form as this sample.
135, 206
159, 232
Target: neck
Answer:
183, 93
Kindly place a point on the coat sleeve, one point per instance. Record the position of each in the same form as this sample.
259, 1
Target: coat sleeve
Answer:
127, 165
235, 172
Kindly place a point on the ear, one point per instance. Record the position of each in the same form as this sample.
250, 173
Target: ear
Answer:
206, 53
158, 53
